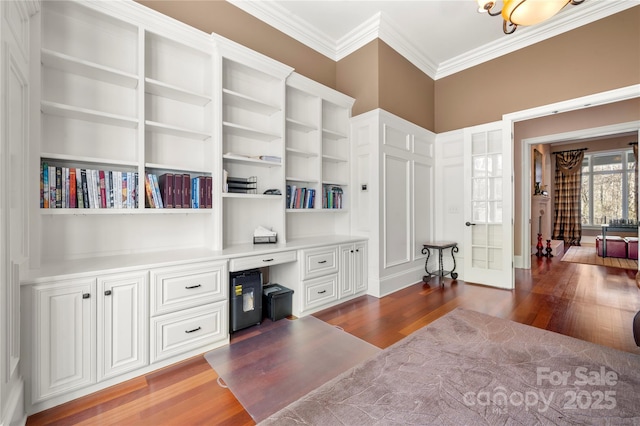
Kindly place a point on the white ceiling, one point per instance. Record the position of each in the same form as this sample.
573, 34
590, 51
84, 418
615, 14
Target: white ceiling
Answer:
440, 37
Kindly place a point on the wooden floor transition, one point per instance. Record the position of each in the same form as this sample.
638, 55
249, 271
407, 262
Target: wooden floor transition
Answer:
586, 253
593, 303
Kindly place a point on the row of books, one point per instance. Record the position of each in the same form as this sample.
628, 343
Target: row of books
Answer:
331, 197
300, 198
70, 187
174, 190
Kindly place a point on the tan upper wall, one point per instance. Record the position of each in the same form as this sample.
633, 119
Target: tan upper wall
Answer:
405, 90
357, 76
601, 56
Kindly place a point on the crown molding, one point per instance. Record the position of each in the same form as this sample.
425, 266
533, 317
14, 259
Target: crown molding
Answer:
364, 33
380, 26
282, 20
582, 14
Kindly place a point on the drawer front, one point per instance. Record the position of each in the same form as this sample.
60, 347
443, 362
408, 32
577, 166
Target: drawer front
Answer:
179, 332
183, 287
251, 262
319, 262
319, 291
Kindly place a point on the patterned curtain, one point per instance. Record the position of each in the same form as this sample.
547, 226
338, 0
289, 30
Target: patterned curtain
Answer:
568, 221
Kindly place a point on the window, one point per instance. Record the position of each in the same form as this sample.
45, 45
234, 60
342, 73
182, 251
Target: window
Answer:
608, 188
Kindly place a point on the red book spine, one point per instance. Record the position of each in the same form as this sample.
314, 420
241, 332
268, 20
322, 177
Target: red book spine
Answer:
73, 200
186, 191
209, 192
103, 191
166, 189
202, 187
177, 191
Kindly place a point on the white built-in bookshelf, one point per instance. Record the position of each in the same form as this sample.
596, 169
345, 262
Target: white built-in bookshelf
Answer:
133, 97
317, 157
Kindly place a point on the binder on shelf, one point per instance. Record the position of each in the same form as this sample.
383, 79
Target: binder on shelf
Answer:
177, 191
166, 183
186, 191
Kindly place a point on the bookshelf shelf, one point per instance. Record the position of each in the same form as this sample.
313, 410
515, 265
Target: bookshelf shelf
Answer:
86, 114
333, 159
175, 168
301, 153
334, 183
248, 132
235, 158
331, 134
160, 88
300, 179
301, 126
112, 211
70, 64
107, 162
249, 103
176, 131
251, 196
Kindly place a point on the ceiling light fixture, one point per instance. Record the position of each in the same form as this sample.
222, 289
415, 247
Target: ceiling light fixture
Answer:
524, 12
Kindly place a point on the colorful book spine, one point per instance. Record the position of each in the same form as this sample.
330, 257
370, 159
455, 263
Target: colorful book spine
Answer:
156, 192
73, 198
45, 186
59, 185
149, 192
85, 189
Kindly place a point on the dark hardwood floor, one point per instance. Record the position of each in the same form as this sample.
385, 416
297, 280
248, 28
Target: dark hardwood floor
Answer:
593, 303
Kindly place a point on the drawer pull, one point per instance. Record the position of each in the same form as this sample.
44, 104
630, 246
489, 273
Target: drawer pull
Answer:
323, 291
267, 260
107, 293
86, 295
189, 287
322, 261
194, 330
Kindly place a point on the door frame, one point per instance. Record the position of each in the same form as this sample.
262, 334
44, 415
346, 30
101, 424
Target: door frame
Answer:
616, 95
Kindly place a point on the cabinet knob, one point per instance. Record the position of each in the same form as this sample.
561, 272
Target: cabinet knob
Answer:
194, 330
86, 295
107, 293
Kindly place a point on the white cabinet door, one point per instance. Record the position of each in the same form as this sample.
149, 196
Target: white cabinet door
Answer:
353, 268
64, 349
359, 266
347, 253
122, 323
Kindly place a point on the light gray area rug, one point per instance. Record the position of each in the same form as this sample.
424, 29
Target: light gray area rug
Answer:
468, 368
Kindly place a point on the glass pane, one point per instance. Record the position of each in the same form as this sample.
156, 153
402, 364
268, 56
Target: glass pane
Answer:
495, 235
585, 164
608, 162
495, 141
584, 201
495, 258
631, 161
479, 209
633, 202
479, 166
479, 235
495, 212
478, 144
607, 197
495, 189
479, 257
494, 165
479, 189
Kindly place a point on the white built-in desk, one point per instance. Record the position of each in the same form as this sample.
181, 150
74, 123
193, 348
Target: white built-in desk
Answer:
91, 323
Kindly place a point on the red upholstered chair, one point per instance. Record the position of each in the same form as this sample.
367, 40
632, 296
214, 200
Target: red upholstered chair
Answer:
616, 246
632, 247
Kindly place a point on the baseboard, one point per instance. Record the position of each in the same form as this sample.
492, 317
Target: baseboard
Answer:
15, 414
392, 283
